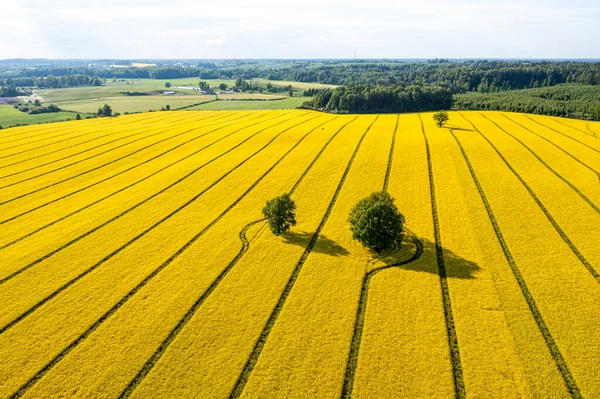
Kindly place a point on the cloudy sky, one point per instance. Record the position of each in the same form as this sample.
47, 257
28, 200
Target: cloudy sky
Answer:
300, 29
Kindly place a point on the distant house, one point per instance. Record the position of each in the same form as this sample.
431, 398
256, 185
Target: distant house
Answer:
168, 93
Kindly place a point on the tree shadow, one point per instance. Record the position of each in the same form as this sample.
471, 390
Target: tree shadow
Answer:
324, 245
455, 265
452, 127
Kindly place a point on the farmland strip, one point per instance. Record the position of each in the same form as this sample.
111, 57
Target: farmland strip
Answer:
128, 186
245, 374
362, 303
457, 372
557, 146
544, 330
586, 199
65, 148
573, 127
147, 367
136, 238
551, 219
5, 279
158, 130
564, 134
45, 129
103, 165
117, 174
53, 127
74, 130
156, 271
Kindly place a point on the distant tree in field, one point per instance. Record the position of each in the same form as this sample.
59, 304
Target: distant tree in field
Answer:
203, 85
37, 102
96, 81
78, 117
168, 107
376, 223
168, 84
105, 110
291, 93
280, 213
222, 86
441, 118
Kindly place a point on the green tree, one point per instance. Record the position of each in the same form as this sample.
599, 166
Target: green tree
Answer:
376, 223
105, 110
168, 84
280, 213
168, 107
291, 93
441, 118
95, 82
222, 86
37, 103
203, 85
78, 117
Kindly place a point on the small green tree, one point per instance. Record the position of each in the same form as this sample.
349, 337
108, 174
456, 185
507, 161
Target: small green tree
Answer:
78, 117
291, 93
167, 107
222, 86
168, 84
280, 213
441, 118
376, 223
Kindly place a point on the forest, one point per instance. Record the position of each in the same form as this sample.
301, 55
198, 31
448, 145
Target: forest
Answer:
573, 101
381, 99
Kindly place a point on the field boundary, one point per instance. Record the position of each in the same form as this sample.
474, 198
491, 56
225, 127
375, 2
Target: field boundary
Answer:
155, 357
48, 255
457, 372
549, 216
586, 199
568, 379
155, 272
256, 351
561, 133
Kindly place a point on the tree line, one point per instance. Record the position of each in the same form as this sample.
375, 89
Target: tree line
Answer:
361, 98
460, 77
574, 101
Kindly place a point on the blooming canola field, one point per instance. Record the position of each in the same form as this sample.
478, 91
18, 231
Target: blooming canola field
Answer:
135, 260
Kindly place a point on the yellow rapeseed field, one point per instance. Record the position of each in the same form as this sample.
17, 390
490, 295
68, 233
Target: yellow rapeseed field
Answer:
135, 260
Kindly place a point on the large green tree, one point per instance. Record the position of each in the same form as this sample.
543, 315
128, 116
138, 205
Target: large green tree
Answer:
280, 213
376, 223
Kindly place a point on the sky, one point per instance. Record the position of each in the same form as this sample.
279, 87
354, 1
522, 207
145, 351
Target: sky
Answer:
150, 29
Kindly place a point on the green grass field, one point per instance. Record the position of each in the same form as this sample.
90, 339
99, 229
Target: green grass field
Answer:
10, 117
134, 104
286, 103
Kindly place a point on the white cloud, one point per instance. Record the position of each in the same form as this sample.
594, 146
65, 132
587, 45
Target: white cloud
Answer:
307, 29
